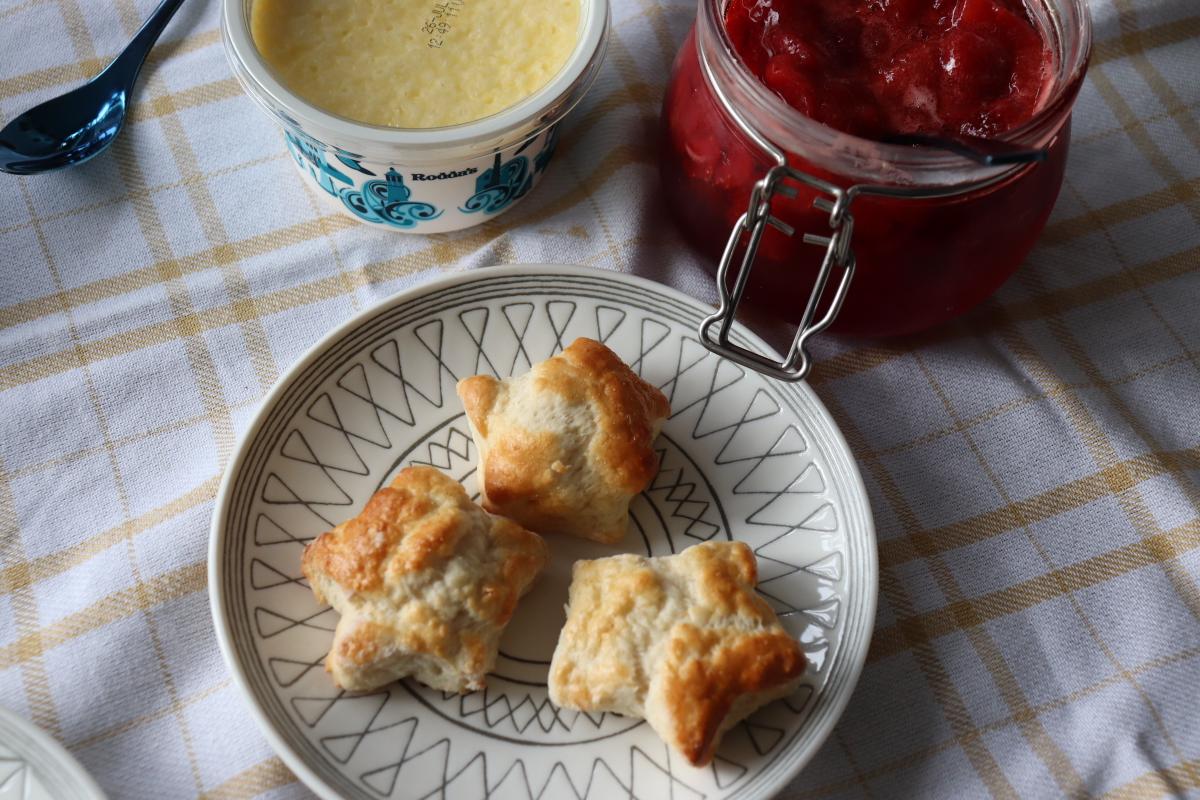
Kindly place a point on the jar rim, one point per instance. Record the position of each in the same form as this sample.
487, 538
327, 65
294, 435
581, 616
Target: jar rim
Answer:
798, 132
527, 117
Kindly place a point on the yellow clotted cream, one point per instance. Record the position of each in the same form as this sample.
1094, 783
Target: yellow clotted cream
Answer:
415, 63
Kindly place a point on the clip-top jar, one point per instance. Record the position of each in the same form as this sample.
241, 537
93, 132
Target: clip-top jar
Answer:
933, 233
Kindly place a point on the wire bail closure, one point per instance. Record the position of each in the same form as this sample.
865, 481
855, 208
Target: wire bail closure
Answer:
753, 223
839, 258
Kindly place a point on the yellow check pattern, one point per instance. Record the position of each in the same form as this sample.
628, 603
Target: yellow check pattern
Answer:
1033, 469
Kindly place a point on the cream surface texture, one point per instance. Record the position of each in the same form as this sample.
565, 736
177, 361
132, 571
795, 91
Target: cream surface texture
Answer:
415, 63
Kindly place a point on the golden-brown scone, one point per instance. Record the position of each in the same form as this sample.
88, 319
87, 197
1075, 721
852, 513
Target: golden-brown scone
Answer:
682, 641
566, 446
425, 581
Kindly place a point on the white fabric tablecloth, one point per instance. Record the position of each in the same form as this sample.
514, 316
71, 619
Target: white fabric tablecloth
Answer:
1033, 468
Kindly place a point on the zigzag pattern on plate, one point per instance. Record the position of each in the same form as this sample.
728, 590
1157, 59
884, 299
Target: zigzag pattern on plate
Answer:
393, 405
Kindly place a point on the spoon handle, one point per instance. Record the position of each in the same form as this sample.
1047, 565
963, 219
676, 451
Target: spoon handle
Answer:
987, 152
135, 52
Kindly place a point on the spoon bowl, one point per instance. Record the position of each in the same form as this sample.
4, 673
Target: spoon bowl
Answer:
73, 127
68, 129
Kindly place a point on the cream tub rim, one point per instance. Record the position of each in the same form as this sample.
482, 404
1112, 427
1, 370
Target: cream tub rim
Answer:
520, 121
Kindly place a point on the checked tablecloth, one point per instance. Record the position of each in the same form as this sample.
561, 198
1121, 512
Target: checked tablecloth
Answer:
1033, 469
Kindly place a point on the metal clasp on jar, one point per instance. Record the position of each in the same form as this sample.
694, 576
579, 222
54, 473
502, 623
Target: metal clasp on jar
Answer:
838, 258
838, 255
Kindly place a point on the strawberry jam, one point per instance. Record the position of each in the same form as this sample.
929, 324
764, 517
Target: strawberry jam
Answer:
866, 70
882, 67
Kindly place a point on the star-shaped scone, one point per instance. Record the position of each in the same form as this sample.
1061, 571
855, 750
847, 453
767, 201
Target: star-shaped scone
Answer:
425, 581
682, 641
566, 446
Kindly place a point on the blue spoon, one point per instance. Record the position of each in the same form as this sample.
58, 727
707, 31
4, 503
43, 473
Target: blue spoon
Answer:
73, 127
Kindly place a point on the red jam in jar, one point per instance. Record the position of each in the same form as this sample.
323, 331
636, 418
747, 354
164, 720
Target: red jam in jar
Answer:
974, 67
828, 81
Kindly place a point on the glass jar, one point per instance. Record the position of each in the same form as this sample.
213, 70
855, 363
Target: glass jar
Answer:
917, 262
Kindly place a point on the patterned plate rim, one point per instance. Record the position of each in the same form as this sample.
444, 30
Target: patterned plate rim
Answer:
57, 770
859, 626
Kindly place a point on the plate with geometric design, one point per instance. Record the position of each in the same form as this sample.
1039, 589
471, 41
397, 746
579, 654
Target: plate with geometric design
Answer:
33, 766
742, 457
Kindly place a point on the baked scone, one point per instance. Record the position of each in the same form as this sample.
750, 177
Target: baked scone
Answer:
566, 446
425, 581
681, 641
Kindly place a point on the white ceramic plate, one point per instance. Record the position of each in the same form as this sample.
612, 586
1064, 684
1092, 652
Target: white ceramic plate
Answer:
743, 457
33, 766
